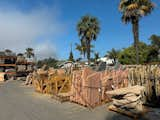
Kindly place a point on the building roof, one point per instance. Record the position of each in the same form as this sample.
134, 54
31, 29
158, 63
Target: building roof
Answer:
4, 54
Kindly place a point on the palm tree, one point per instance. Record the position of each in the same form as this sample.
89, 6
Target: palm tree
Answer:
81, 48
96, 57
29, 52
20, 54
88, 28
113, 54
132, 11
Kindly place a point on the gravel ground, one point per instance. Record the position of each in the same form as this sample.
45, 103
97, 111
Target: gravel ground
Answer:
22, 103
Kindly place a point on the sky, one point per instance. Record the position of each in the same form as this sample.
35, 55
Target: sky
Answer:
49, 26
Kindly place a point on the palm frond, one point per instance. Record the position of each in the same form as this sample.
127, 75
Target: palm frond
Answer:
135, 9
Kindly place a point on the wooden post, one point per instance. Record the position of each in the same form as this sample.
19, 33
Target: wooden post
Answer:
56, 86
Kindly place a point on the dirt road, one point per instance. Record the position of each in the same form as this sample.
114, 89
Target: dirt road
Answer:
22, 103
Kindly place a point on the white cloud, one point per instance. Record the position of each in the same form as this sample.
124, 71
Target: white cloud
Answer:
45, 50
19, 30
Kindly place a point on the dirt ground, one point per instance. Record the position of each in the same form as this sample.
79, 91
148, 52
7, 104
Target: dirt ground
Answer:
18, 102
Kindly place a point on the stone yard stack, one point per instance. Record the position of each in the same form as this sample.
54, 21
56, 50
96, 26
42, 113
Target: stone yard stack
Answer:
149, 77
128, 101
89, 87
7, 65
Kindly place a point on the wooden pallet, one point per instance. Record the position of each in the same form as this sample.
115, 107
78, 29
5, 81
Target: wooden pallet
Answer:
62, 97
90, 108
128, 113
54, 84
59, 84
7, 65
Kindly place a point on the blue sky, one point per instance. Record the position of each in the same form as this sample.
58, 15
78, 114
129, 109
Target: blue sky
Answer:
61, 16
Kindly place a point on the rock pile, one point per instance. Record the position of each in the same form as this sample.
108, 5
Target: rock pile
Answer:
89, 87
128, 101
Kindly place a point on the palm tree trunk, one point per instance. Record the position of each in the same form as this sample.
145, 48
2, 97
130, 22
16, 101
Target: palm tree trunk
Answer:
114, 60
135, 30
84, 55
88, 50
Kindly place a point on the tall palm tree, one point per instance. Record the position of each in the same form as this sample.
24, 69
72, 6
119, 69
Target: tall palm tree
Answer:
132, 11
81, 48
113, 54
96, 57
88, 28
29, 52
20, 54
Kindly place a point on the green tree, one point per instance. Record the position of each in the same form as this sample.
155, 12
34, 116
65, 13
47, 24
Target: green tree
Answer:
113, 54
128, 55
152, 54
81, 48
50, 62
29, 52
132, 11
154, 49
88, 29
71, 58
155, 41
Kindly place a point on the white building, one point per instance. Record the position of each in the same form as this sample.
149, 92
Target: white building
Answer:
107, 60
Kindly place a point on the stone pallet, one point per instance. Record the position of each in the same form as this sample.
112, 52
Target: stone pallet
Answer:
148, 76
89, 87
128, 101
129, 113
